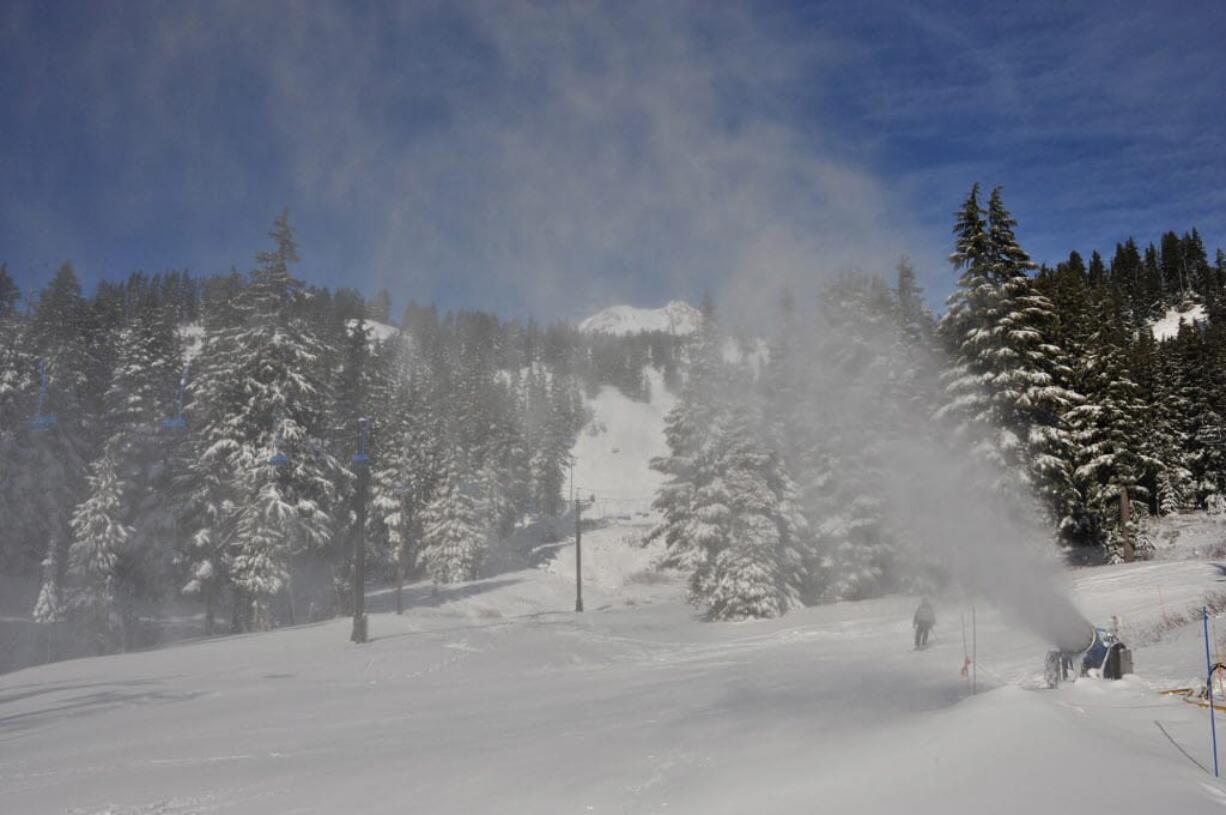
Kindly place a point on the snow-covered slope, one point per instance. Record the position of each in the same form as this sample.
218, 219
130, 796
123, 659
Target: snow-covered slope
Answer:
675, 318
614, 451
494, 696
1168, 326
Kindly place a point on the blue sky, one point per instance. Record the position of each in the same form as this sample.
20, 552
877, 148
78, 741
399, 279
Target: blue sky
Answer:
546, 159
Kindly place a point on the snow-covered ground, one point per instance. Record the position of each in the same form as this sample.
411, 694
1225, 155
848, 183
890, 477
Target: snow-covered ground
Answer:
677, 317
496, 697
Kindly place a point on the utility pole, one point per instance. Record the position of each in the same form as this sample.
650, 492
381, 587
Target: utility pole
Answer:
361, 463
578, 560
578, 541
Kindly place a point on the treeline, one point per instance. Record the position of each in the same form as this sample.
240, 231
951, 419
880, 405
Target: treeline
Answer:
173, 437
781, 486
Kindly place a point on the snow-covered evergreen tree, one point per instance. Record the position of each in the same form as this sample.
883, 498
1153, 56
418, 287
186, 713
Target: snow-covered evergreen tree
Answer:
1108, 430
45, 465
1005, 387
262, 392
689, 466
748, 527
454, 538
859, 385
410, 461
99, 537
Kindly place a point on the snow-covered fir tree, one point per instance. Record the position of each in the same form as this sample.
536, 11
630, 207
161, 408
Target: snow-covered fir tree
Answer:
1005, 387
410, 460
99, 538
1108, 429
748, 527
261, 396
454, 537
689, 466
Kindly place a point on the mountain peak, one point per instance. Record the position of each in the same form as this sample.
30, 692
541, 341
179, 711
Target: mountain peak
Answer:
678, 317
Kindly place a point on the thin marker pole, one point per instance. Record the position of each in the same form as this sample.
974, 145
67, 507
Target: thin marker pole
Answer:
1209, 689
965, 654
974, 653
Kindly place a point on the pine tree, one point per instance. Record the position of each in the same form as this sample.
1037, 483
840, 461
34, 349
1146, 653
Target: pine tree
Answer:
99, 539
745, 527
1006, 387
1108, 431
45, 466
17, 388
410, 459
1097, 273
50, 607
453, 538
142, 394
262, 393
866, 400
688, 467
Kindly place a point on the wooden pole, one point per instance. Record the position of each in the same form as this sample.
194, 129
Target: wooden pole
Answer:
1209, 691
361, 462
359, 561
578, 560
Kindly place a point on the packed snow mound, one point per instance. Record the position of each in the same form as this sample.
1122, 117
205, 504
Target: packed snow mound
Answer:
677, 317
1168, 327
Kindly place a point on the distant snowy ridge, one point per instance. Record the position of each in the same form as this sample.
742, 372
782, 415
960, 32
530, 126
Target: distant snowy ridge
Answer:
678, 317
1167, 327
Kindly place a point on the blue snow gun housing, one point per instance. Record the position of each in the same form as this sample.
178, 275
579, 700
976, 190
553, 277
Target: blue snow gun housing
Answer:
1107, 655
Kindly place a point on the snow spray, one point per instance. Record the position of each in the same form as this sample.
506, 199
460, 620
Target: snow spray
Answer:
988, 546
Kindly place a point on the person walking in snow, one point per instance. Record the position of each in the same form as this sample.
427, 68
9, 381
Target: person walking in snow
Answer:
925, 619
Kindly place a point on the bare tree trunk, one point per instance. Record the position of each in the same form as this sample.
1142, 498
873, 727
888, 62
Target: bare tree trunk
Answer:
1130, 551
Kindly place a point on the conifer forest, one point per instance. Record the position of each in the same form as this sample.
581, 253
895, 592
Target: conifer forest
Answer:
174, 437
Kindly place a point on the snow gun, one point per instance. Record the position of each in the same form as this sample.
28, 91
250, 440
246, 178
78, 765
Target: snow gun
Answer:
1102, 654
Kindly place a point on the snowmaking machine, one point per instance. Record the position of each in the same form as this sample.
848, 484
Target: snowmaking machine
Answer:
1103, 654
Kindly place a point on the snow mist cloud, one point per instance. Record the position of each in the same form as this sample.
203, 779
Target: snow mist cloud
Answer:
533, 158
938, 500
867, 406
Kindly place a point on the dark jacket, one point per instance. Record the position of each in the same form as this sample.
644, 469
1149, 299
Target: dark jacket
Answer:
925, 616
